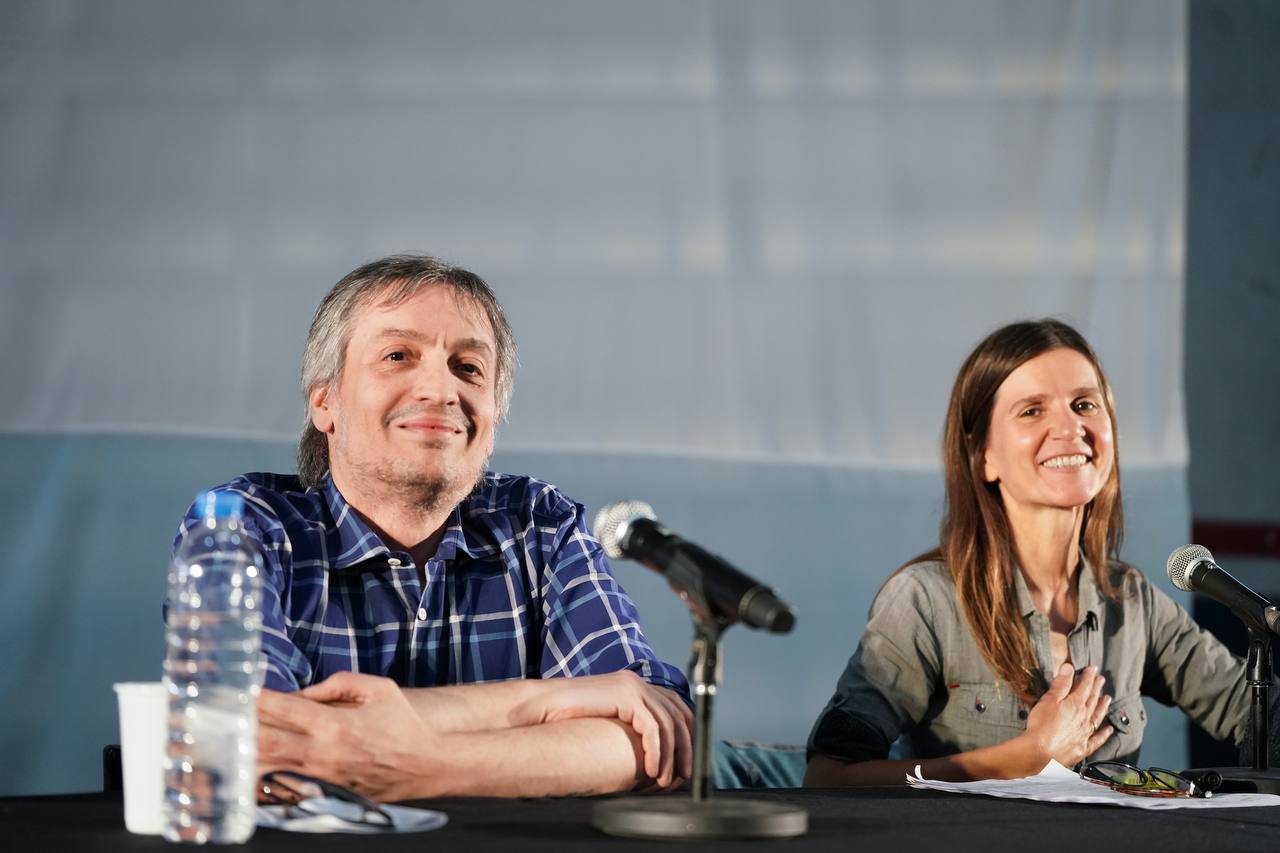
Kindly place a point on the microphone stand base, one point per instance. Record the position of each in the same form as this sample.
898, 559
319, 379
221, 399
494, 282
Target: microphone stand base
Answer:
677, 818
1236, 780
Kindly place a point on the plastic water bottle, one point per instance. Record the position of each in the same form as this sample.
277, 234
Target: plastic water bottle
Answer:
213, 671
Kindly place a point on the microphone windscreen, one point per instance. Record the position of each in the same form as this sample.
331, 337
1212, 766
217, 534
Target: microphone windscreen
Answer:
1181, 561
611, 523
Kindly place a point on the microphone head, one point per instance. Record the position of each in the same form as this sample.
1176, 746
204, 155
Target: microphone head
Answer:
1181, 561
611, 524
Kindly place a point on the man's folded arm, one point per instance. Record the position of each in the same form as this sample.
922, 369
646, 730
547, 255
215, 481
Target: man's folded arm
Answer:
471, 707
372, 739
529, 701
563, 758
658, 718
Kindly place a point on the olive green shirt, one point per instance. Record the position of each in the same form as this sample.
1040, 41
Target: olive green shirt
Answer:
917, 672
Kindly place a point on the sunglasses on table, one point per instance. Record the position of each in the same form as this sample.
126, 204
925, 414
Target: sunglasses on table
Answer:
1153, 782
307, 796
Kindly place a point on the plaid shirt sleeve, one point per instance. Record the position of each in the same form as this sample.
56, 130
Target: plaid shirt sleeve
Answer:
287, 668
590, 625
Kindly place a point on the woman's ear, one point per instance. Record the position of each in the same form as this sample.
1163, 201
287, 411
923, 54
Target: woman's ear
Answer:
989, 472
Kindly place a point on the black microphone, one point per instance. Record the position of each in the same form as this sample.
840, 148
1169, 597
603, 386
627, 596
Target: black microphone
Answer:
1192, 568
629, 529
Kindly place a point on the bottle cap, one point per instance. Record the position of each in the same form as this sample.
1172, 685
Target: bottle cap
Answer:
219, 504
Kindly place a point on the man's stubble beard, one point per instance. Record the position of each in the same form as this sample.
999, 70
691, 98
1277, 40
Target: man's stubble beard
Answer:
402, 481
427, 493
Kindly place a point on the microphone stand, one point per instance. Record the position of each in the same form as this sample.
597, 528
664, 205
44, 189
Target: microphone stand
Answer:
706, 674
675, 818
1259, 778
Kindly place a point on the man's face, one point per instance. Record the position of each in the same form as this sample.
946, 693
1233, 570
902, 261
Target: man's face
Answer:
414, 406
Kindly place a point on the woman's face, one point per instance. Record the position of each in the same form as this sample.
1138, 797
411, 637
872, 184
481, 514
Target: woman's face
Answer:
1050, 442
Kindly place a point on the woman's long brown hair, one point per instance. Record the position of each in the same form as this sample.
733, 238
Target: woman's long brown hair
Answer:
976, 541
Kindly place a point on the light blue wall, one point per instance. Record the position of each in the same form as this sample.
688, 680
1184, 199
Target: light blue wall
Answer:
86, 523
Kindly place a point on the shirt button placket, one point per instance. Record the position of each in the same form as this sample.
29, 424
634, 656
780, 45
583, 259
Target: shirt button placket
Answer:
396, 563
429, 578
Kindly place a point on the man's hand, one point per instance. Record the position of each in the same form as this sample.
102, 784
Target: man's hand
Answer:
662, 720
1067, 721
355, 730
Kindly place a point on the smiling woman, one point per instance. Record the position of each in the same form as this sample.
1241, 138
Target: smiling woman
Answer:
1051, 441
1023, 637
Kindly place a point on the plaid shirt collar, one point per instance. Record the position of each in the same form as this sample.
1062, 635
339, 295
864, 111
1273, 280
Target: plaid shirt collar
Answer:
351, 541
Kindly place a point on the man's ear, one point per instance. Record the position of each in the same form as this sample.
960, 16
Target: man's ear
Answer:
321, 413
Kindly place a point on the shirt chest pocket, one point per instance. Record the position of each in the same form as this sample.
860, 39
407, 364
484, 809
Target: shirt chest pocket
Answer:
979, 714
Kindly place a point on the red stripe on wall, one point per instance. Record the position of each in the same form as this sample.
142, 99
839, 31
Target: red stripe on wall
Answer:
1240, 539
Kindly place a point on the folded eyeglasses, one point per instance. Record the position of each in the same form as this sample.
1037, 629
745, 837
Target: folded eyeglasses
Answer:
307, 796
1153, 782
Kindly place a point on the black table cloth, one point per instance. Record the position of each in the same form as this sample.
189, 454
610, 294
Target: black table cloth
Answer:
865, 820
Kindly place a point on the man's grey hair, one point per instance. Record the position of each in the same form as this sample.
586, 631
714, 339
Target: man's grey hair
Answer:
389, 281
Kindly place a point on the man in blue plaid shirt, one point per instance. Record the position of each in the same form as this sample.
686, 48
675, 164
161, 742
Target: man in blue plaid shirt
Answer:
431, 628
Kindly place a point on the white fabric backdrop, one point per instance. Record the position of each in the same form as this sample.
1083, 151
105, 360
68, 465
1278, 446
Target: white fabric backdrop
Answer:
744, 246
758, 230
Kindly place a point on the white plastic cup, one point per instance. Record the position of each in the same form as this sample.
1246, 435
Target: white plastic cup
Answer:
144, 730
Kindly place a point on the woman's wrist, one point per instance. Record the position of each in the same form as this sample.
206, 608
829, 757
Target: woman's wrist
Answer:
1029, 755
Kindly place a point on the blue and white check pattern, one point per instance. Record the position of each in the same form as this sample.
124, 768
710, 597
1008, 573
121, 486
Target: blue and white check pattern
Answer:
517, 589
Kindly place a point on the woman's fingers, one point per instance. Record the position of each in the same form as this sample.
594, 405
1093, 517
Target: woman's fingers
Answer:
1099, 738
1087, 683
1092, 711
1087, 691
1061, 686
1070, 718
1100, 713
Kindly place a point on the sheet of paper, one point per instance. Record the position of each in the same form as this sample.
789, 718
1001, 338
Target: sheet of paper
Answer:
1057, 784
